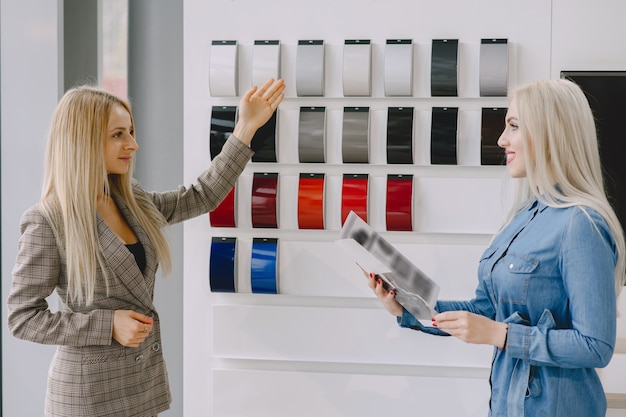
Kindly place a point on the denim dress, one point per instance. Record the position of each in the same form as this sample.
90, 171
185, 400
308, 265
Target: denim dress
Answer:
550, 275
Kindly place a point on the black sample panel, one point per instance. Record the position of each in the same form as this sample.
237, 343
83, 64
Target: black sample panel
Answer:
264, 142
444, 68
222, 126
492, 125
400, 135
606, 93
443, 136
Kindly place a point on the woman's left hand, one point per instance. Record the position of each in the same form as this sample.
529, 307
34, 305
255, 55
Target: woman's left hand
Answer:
256, 107
472, 328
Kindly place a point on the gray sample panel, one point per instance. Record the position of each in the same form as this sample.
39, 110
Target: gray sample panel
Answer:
310, 68
357, 68
355, 143
494, 67
398, 67
223, 69
311, 134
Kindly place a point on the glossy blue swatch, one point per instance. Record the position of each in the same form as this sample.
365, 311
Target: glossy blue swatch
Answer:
263, 268
222, 264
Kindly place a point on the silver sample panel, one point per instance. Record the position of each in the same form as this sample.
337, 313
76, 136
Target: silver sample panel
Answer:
355, 143
310, 68
494, 67
311, 134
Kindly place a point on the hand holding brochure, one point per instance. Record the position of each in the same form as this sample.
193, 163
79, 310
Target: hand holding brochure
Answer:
415, 291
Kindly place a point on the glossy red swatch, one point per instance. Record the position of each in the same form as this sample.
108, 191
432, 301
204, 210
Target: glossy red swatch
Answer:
224, 214
354, 196
265, 200
398, 213
311, 201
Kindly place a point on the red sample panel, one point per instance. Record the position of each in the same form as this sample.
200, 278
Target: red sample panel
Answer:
224, 214
354, 196
311, 201
398, 213
265, 200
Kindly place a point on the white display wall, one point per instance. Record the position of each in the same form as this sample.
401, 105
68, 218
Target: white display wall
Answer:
323, 346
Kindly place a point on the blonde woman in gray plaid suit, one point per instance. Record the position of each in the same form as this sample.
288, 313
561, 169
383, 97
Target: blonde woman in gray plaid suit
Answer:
96, 238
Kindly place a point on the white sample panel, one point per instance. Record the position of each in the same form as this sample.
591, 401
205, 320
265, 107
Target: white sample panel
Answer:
223, 69
316, 394
334, 334
357, 68
265, 61
310, 68
398, 67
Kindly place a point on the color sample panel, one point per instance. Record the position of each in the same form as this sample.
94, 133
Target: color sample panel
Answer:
311, 201
222, 276
444, 68
443, 135
264, 141
223, 72
492, 125
263, 266
222, 126
494, 67
400, 135
357, 68
265, 61
399, 211
224, 214
311, 134
355, 143
310, 68
354, 196
265, 200
398, 67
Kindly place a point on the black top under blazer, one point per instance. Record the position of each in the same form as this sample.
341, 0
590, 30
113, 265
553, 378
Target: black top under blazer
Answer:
92, 374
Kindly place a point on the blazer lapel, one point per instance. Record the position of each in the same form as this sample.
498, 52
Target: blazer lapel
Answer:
122, 264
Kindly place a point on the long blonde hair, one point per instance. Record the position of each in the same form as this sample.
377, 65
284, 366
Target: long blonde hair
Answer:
75, 175
562, 157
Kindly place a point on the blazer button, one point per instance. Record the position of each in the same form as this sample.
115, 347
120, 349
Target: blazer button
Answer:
139, 359
156, 347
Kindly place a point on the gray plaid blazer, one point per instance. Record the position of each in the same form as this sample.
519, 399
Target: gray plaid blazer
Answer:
91, 374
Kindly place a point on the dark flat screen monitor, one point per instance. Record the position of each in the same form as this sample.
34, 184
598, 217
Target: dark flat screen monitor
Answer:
606, 93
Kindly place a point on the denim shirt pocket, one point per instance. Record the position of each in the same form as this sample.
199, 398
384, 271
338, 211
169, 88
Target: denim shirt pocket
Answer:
519, 270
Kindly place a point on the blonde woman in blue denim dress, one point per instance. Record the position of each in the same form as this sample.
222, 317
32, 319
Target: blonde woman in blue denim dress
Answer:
548, 282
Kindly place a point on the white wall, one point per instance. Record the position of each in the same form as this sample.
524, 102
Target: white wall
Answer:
323, 346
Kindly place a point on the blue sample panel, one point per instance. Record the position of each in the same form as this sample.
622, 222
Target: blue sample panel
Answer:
222, 264
263, 267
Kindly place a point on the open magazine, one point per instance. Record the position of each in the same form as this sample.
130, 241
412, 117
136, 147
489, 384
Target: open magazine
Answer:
415, 291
